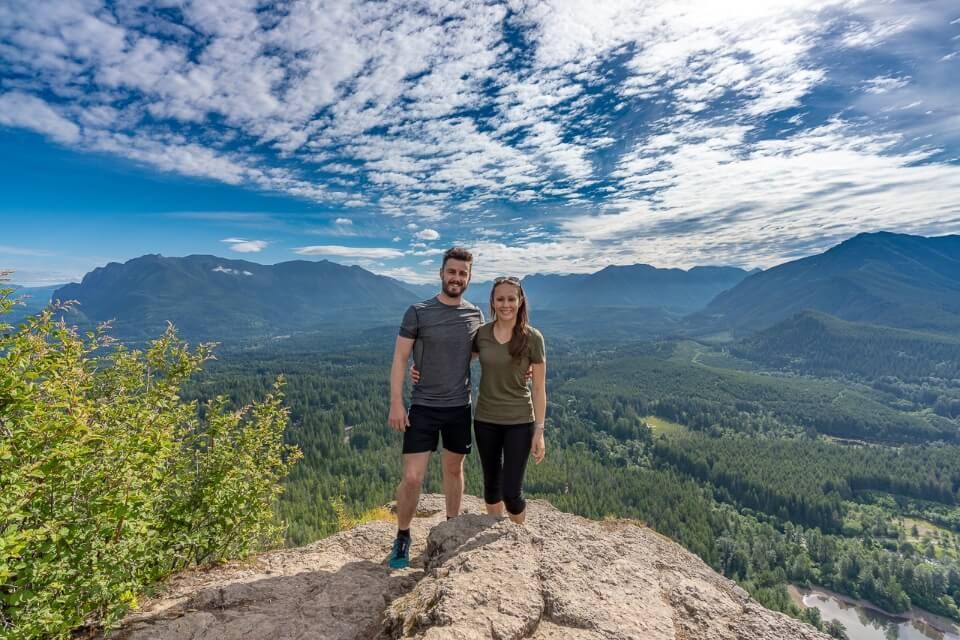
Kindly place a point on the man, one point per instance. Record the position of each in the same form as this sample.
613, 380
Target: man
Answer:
439, 333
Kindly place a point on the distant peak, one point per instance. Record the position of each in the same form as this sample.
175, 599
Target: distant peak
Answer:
870, 236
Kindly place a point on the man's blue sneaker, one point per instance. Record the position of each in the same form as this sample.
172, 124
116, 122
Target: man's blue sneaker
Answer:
400, 555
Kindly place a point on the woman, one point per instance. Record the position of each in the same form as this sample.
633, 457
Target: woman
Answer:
509, 420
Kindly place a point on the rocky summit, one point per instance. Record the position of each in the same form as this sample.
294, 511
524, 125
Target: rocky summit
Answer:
559, 577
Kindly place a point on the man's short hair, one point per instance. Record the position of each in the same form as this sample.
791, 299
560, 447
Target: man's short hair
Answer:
456, 253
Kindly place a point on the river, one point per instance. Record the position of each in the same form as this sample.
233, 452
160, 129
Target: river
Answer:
865, 622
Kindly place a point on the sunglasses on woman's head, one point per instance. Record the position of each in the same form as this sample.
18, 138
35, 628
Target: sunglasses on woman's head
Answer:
511, 279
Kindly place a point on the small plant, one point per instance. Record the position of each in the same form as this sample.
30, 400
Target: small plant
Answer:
111, 481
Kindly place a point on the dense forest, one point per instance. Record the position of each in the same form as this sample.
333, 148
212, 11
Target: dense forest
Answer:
771, 478
812, 342
658, 379
913, 370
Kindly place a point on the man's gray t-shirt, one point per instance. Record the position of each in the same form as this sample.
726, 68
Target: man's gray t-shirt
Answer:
443, 337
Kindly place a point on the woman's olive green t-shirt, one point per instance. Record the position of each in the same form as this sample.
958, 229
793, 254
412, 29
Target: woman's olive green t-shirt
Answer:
504, 397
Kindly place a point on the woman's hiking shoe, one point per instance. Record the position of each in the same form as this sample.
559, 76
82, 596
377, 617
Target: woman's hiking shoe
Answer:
400, 555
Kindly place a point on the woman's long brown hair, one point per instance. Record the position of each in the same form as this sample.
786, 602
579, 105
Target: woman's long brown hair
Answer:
518, 341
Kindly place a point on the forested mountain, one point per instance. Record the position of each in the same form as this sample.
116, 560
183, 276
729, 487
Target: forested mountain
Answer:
718, 399
208, 297
638, 285
820, 344
890, 279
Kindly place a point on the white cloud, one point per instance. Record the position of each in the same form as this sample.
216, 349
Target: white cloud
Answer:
883, 84
228, 270
621, 119
349, 252
28, 277
428, 234
18, 109
405, 274
245, 246
749, 208
871, 35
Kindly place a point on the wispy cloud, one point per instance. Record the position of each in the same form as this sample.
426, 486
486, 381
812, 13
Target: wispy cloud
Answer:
428, 234
19, 109
241, 245
222, 216
570, 133
23, 251
817, 187
43, 278
235, 272
409, 274
349, 252
883, 84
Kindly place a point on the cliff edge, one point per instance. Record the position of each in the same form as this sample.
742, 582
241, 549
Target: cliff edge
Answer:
559, 577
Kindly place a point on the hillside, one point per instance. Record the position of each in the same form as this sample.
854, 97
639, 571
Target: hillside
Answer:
703, 397
208, 297
560, 577
820, 344
897, 280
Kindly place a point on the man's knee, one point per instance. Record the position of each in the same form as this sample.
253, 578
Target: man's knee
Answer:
515, 504
453, 466
413, 477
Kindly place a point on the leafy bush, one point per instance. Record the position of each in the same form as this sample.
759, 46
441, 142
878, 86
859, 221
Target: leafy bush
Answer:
110, 481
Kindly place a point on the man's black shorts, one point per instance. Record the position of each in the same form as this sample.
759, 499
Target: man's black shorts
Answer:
427, 423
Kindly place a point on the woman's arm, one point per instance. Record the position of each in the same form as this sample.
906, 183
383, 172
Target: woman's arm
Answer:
539, 392
538, 447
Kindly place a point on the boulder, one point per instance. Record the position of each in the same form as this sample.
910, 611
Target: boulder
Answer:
557, 577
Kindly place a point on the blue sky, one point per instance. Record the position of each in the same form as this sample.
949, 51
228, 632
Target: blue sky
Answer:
558, 136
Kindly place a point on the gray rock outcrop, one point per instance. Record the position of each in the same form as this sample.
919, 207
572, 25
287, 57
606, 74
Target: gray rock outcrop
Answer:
559, 577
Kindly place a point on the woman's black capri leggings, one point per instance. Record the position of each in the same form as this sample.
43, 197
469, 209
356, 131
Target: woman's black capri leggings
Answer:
504, 450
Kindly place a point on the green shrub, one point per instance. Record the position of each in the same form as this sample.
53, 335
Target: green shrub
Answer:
110, 481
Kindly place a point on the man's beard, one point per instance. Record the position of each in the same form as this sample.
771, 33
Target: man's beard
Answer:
447, 290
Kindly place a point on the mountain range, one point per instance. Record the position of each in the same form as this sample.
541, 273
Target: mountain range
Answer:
208, 297
677, 291
896, 280
639, 285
